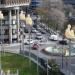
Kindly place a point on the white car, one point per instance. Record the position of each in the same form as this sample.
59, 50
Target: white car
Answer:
38, 34
27, 41
34, 31
55, 37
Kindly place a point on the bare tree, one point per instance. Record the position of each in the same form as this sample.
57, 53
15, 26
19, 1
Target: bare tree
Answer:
53, 10
58, 17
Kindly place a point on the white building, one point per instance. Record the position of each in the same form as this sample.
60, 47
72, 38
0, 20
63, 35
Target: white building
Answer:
10, 24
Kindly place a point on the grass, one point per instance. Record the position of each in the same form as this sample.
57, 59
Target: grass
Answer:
14, 61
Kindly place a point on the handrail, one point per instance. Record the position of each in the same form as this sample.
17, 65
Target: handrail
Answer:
33, 58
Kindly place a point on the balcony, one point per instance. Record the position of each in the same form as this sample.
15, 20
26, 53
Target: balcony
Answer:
2, 37
14, 36
13, 3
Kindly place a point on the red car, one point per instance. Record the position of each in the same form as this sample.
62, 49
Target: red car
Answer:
35, 46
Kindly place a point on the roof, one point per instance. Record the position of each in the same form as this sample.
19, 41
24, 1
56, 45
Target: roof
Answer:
13, 3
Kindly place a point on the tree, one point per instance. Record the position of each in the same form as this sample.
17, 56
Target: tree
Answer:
58, 17
53, 11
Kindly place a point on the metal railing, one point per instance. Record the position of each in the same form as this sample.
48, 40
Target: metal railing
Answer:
41, 61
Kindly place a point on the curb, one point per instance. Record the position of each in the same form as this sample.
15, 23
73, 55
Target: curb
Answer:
11, 45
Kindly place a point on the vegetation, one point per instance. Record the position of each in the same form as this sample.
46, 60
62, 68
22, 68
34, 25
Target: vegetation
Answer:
52, 15
14, 61
54, 70
55, 14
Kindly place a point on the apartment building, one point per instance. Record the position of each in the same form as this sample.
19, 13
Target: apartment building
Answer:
10, 24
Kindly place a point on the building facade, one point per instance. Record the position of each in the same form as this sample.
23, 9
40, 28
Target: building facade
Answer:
10, 24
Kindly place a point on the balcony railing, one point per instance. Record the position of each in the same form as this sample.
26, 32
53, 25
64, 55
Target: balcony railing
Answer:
12, 3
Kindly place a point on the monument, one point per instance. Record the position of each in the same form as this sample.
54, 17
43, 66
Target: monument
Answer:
69, 32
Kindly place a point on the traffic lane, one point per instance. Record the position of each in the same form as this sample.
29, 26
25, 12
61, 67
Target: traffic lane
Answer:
73, 64
41, 45
73, 68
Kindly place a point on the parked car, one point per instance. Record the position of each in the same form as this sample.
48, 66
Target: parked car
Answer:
26, 30
63, 42
38, 37
26, 41
34, 31
38, 34
55, 37
35, 46
43, 32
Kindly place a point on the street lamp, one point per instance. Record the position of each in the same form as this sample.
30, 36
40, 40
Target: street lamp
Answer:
63, 43
29, 23
22, 18
1, 17
69, 34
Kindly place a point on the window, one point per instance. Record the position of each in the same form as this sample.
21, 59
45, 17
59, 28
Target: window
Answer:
6, 32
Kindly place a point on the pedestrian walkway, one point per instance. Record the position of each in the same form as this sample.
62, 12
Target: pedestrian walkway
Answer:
13, 48
11, 45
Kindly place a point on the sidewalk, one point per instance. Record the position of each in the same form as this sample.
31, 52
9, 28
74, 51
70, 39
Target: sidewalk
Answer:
11, 45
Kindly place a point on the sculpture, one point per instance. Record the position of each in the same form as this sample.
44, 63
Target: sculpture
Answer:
72, 33
69, 33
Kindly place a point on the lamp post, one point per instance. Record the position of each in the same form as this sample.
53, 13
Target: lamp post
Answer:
29, 23
47, 66
21, 41
69, 34
38, 52
1, 17
62, 43
22, 18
